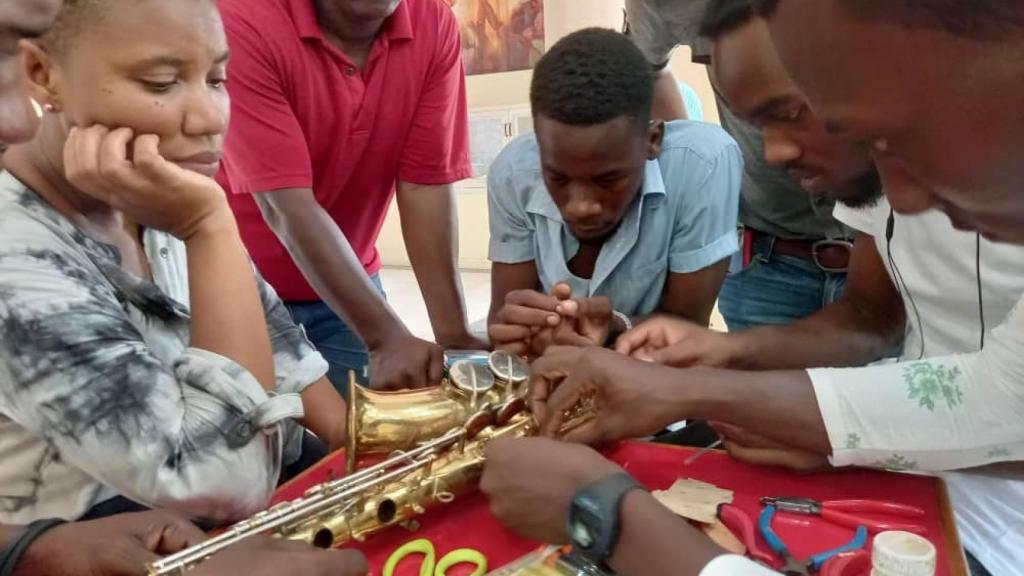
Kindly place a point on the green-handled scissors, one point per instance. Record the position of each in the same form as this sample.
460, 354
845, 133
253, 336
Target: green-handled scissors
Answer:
431, 566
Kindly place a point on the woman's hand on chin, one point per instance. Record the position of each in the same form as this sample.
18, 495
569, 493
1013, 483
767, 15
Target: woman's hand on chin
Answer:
127, 173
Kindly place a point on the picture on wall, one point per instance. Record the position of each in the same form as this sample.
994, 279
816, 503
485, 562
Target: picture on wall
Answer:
500, 35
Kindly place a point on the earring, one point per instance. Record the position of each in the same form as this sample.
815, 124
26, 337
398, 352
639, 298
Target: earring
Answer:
50, 108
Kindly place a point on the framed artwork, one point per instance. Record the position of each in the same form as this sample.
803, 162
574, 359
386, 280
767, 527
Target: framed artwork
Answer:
500, 35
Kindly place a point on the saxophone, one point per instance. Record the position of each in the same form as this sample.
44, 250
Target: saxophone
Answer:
469, 408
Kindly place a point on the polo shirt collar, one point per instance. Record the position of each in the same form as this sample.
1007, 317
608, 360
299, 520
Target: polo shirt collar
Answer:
543, 205
397, 27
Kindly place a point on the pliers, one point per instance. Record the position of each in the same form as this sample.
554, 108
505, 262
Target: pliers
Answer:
849, 513
794, 567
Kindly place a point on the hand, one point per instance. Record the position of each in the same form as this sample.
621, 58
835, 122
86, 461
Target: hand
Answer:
531, 482
590, 318
115, 546
757, 450
630, 398
465, 340
678, 343
128, 174
403, 361
264, 556
525, 324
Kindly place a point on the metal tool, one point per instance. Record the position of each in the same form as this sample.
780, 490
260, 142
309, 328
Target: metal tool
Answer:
737, 521
698, 454
850, 513
793, 566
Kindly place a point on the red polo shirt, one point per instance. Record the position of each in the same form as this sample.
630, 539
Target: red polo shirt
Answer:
304, 116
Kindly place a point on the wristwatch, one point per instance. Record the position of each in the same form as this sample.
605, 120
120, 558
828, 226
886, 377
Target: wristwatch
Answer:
593, 521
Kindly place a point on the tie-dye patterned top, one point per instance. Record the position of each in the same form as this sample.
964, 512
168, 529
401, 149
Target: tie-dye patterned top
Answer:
100, 393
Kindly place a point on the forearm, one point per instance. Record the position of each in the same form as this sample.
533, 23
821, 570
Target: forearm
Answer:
325, 414
654, 541
668, 101
838, 336
430, 230
779, 405
329, 264
227, 315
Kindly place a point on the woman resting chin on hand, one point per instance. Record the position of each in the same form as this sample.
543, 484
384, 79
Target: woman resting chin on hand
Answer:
143, 356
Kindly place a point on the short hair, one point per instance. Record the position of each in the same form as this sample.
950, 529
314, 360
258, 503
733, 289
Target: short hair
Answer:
593, 76
74, 16
973, 19
724, 16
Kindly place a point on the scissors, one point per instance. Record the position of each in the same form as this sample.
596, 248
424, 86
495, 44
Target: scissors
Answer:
430, 565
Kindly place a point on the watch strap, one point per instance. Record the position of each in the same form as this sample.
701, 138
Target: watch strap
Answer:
594, 516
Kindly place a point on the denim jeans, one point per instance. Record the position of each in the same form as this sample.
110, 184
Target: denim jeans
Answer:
776, 290
343, 349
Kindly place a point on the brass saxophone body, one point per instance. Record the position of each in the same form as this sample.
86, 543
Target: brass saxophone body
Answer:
437, 439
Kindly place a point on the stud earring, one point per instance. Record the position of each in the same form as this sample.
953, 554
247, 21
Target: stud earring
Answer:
50, 108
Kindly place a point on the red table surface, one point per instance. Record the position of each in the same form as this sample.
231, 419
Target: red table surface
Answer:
469, 524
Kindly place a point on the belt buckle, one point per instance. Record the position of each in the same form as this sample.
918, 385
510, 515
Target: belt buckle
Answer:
822, 244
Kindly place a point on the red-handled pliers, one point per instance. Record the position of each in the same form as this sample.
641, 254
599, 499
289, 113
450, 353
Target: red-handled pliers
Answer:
849, 513
740, 524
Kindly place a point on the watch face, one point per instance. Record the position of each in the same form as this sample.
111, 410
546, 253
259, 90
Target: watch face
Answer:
580, 535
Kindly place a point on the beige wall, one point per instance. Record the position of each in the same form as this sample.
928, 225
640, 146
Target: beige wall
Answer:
512, 89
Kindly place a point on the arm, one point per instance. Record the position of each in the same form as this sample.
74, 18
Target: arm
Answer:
300, 368
692, 296
654, 541
326, 259
705, 204
943, 413
225, 306
508, 278
171, 432
436, 154
328, 262
430, 227
859, 328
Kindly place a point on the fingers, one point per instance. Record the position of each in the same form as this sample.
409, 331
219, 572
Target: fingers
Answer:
597, 307
147, 159
741, 436
506, 333
635, 339
537, 394
561, 400
562, 291
530, 308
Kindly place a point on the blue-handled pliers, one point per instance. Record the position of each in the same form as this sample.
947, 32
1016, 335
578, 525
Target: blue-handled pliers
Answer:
814, 563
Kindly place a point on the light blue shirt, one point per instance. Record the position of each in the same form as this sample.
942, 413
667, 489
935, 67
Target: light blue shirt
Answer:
683, 221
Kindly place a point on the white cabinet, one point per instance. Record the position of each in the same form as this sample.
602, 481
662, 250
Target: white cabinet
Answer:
490, 130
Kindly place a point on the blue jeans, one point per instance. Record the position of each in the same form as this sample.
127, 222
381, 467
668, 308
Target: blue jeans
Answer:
340, 345
776, 290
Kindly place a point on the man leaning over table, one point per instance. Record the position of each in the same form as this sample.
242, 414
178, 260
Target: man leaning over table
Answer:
338, 106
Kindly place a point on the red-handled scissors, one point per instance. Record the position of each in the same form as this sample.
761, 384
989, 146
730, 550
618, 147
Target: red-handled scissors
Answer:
850, 513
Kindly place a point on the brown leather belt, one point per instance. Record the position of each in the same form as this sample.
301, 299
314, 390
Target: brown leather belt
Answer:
829, 255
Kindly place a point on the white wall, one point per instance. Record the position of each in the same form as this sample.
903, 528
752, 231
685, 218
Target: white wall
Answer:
510, 89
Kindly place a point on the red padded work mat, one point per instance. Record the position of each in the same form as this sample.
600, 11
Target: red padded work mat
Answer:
467, 523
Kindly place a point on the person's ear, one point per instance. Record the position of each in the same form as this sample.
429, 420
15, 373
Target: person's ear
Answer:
655, 136
41, 77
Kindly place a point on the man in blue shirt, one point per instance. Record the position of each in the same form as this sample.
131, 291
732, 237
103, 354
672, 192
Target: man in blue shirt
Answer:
604, 215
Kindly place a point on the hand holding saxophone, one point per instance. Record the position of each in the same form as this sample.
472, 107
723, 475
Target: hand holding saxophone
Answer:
625, 398
530, 482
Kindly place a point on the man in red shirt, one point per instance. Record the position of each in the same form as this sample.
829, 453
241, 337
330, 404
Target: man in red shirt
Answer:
336, 104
